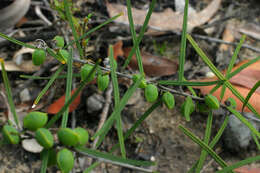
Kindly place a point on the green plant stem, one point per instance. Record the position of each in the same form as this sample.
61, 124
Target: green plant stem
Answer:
45, 156
73, 97
44, 90
9, 92
133, 33
141, 34
183, 42
130, 131
203, 154
68, 89
74, 32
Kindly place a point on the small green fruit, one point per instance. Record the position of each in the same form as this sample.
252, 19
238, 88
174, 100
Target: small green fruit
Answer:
187, 108
35, 120
143, 82
10, 134
38, 57
151, 93
212, 101
59, 41
83, 135
65, 160
168, 100
68, 137
64, 55
85, 70
44, 138
103, 81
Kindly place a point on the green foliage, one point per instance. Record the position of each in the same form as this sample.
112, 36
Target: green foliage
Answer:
187, 108
77, 138
44, 138
65, 160
10, 134
103, 82
68, 137
38, 57
85, 70
59, 41
168, 100
212, 101
151, 93
83, 135
34, 120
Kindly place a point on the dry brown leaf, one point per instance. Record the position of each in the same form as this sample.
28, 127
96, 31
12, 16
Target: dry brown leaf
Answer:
247, 169
26, 66
166, 20
59, 103
228, 35
243, 82
153, 65
252, 30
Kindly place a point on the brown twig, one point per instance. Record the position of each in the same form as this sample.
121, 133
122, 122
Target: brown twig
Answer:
104, 113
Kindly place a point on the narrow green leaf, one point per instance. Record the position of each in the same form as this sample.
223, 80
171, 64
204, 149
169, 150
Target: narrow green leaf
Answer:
74, 32
9, 92
239, 69
141, 34
239, 164
232, 62
203, 145
187, 83
108, 124
244, 121
45, 156
133, 33
256, 140
64, 120
93, 30
16, 41
44, 90
204, 153
117, 100
251, 92
72, 98
219, 74
183, 42
213, 142
114, 159
130, 131
44, 78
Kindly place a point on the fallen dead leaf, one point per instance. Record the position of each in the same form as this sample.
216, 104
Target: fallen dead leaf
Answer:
153, 65
243, 82
251, 30
26, 66
166, 20
59, 103
247, 169
228, 35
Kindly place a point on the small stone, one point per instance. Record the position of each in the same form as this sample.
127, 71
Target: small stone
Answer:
95, 103
25, 95
31, 145
237, 135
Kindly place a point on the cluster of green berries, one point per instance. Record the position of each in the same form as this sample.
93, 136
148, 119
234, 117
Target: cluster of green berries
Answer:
35, 122
151, 92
